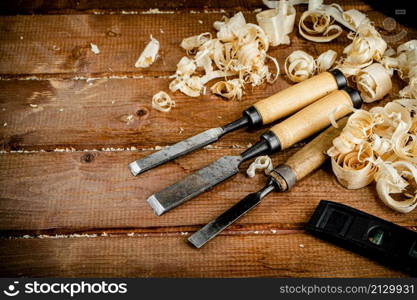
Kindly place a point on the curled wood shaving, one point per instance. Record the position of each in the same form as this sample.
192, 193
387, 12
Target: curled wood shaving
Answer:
326, 60
278, 23
394, 178
367, 45
407, 67
190, 86
149, 54
390, 64
317, 26
352, 170
191, 44
380, 145
230, 89
355, 18
261, 163
162, 101
374, 82
299, 66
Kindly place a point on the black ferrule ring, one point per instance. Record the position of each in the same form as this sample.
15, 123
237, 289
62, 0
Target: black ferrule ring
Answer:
273, 141
255, 118
354, 96
340, 78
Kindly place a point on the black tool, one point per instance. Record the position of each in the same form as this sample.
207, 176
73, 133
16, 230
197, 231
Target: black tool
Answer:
365, 234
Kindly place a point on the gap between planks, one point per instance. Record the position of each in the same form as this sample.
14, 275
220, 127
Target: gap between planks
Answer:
169, 231
134, 149
88, 76
172, 231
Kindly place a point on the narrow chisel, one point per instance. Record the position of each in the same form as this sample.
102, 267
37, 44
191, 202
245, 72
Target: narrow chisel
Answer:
282, 104
301, 125
281, 179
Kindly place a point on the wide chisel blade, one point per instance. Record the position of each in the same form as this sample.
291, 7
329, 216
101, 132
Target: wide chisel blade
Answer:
176, 150
194, 184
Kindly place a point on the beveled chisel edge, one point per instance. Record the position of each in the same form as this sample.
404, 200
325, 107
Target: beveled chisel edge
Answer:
176, 150
198, 239
156, 206
134, 168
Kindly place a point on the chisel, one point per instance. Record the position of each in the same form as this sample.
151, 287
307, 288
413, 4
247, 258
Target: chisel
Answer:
281, 179
282, 104
299, 126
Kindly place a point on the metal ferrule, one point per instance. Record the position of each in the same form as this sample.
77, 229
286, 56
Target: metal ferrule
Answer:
284, 177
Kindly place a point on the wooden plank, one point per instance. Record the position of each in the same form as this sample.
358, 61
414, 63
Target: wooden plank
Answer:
95, 6
60, 44
87, 190
112, 113
65, 47
83, 6
120, 38
102, 113
279, 255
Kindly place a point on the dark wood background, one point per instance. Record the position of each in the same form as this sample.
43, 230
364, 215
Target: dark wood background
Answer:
69, 119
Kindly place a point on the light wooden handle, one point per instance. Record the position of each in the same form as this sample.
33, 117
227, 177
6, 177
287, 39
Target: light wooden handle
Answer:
294, 98
313, 155
312, 119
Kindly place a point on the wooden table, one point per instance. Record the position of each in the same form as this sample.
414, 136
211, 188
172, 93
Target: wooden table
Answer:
72, 120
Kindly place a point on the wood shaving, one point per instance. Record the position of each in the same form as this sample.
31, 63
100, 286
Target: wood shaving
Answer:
230, 89
149, 54
326, 60
367, 45
191, 44
373, 82
407, 67
261, 163
278, 23
380, 145
299, 66
321, 29
162, 101
355, 18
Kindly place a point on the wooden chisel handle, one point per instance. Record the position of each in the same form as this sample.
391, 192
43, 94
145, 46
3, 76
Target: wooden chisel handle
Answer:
307, 159
315, 117
294, 98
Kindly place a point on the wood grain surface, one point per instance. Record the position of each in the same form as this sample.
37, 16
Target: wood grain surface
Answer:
71, 121
286, 254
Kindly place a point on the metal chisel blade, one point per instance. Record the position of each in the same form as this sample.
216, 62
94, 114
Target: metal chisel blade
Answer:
194, 184
216, 226
169, 153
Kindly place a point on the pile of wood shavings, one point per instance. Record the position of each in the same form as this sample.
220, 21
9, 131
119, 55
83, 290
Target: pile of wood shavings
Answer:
380, 145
